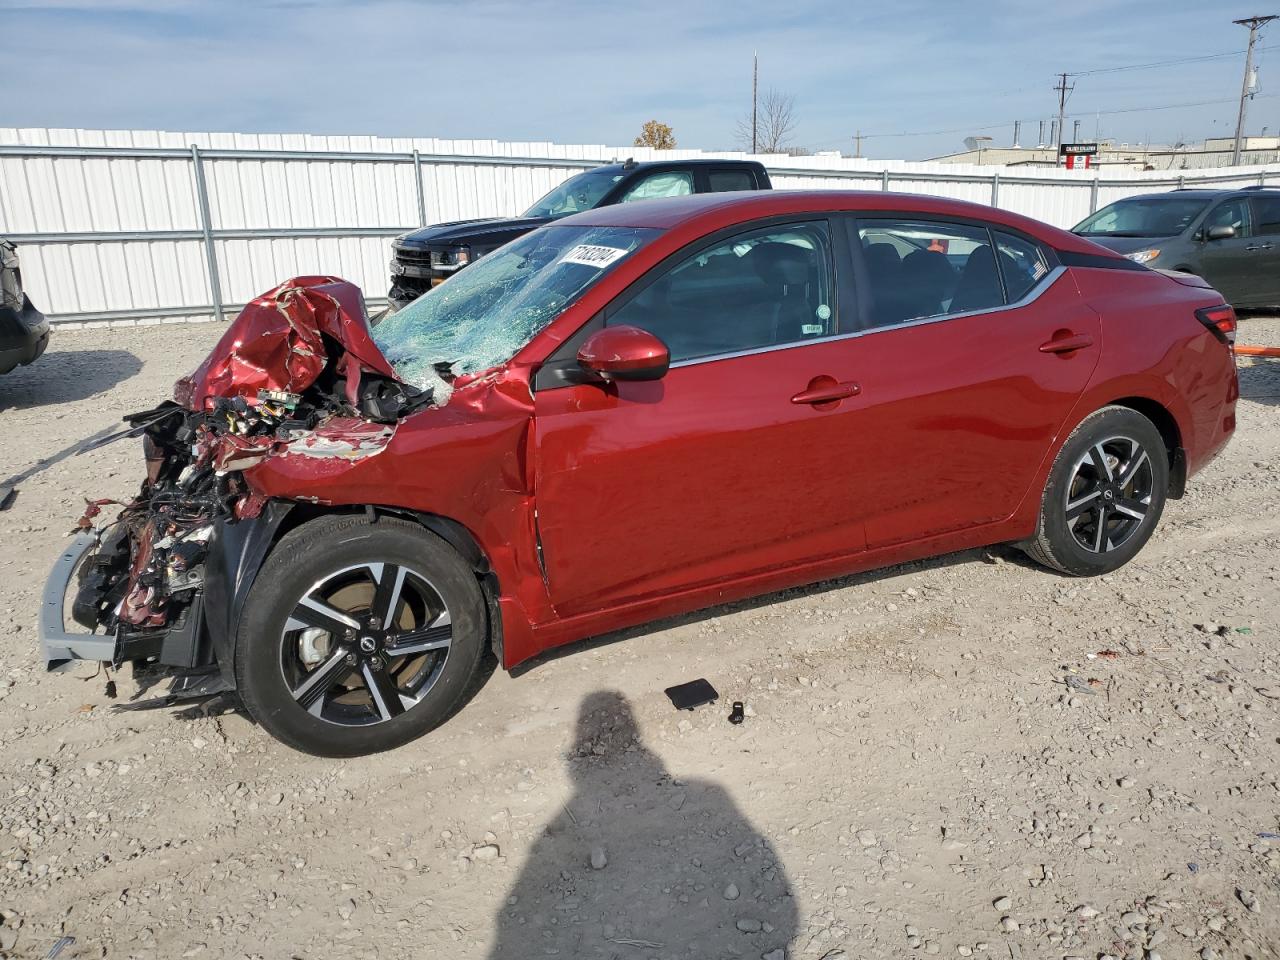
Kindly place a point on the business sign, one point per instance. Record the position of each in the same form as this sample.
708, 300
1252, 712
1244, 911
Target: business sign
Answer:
1078, 155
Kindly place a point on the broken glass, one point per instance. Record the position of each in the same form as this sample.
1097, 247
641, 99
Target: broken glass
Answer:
483, 315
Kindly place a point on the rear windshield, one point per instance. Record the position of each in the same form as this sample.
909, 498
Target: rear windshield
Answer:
1143, 217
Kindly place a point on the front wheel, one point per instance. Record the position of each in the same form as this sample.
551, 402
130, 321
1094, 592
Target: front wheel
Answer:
358, 637
1104, 495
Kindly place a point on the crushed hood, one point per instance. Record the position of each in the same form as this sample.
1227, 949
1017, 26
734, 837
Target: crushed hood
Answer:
284, 340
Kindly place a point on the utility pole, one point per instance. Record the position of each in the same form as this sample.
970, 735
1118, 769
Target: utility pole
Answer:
1063, 90
1253, 23
755, 100
857, 144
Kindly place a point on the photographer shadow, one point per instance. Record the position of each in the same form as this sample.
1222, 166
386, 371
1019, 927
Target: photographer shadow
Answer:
643, 864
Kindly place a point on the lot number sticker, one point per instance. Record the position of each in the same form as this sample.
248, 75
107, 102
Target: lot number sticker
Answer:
591, 255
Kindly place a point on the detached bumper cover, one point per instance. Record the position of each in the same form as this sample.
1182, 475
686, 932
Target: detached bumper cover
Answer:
57, 645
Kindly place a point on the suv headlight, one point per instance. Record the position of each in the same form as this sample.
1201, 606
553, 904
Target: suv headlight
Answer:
1143, 256
450, 258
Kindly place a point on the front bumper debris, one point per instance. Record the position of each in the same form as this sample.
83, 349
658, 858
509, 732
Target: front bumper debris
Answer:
58, 646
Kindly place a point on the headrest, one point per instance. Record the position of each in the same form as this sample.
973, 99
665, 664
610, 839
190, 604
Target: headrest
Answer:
781, 263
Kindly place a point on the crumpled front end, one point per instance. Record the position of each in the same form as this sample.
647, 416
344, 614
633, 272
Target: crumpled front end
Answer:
296, 374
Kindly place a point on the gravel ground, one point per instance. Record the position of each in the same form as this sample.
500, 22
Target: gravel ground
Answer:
968, 756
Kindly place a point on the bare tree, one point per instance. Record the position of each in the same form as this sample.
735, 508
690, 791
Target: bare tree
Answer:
657, 135
776, 121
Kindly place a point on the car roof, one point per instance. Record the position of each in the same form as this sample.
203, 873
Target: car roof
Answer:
702, 162
708, 212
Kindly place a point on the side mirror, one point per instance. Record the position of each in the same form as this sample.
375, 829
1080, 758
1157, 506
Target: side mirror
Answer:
625, 353
1221, 233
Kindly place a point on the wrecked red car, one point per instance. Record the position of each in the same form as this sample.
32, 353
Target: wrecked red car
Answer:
632, 413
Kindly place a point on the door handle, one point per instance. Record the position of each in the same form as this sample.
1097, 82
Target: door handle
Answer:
1258, 246
1067, 344
826, 390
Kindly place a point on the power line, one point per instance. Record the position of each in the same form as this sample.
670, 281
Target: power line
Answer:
1166, 63
971, 128
1254, 24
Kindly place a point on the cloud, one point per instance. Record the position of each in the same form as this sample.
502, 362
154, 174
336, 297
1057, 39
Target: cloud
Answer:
593, 72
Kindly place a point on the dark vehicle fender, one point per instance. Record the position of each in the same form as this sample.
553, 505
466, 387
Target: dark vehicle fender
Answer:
236, 553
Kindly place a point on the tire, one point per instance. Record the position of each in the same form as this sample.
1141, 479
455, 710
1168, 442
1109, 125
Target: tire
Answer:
316, 666
1114, 468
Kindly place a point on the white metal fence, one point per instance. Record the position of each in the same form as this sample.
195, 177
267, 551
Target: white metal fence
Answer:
142, 225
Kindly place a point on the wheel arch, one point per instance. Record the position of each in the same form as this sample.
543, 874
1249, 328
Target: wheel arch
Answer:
1170, 433
239, 568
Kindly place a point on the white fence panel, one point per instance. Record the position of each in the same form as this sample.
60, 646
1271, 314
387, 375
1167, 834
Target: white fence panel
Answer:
113, 223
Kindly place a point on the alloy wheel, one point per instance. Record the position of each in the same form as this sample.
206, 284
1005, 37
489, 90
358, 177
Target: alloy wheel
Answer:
365, 644
1109, 496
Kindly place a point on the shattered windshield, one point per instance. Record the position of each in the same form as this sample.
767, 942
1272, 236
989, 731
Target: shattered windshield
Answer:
484, 314
576, 194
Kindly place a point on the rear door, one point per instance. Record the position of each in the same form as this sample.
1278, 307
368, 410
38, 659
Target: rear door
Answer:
1266, 253
1230, 264
738, 462
967, 374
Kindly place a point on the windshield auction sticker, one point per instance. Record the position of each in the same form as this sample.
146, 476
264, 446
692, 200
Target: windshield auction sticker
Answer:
591, 255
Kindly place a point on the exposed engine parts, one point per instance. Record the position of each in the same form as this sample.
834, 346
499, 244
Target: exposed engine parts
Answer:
295, 375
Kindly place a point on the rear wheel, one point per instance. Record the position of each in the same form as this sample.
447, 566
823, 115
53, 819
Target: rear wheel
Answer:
358, 637
1104, 496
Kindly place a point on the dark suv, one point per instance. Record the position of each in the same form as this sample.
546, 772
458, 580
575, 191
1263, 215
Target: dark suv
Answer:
1231, 238
431, 255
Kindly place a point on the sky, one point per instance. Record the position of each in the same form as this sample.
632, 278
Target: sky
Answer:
592, 71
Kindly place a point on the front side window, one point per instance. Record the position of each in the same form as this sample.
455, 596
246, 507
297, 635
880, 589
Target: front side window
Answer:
1231, 213
1266, 214
1142, 217
721, 181
576, 194
767, 287
483, 315
917, 270
675, 183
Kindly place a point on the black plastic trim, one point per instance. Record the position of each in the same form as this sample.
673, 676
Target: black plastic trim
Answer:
236, 553
1070, 258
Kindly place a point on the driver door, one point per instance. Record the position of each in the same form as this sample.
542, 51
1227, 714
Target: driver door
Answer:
729, 465
1228, 264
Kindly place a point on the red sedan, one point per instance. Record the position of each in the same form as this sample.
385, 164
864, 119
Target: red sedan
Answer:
635, 412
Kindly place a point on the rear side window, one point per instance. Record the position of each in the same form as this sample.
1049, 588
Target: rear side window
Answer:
1022, 265
673, 183
767, 287
724, 180
1266, 216
917, 270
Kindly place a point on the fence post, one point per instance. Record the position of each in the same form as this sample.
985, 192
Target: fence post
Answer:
995, 189
1262, 178
1182, 182
884, 181
1093, 195
417, 182
206, 227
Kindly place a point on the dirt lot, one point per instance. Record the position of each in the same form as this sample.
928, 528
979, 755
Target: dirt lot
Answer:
915, 776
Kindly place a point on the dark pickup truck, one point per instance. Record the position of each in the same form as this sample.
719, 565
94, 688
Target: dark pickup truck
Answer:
431, 255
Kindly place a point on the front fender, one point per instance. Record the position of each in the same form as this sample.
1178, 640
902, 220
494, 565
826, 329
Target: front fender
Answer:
236, 552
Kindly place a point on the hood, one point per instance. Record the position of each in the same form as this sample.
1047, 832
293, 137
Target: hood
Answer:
1130, 244
479, 232
284, 340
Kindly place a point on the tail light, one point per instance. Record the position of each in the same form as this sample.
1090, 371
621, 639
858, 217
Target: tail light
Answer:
1221, 321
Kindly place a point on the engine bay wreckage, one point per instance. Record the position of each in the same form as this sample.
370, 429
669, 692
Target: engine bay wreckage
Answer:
297, 382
